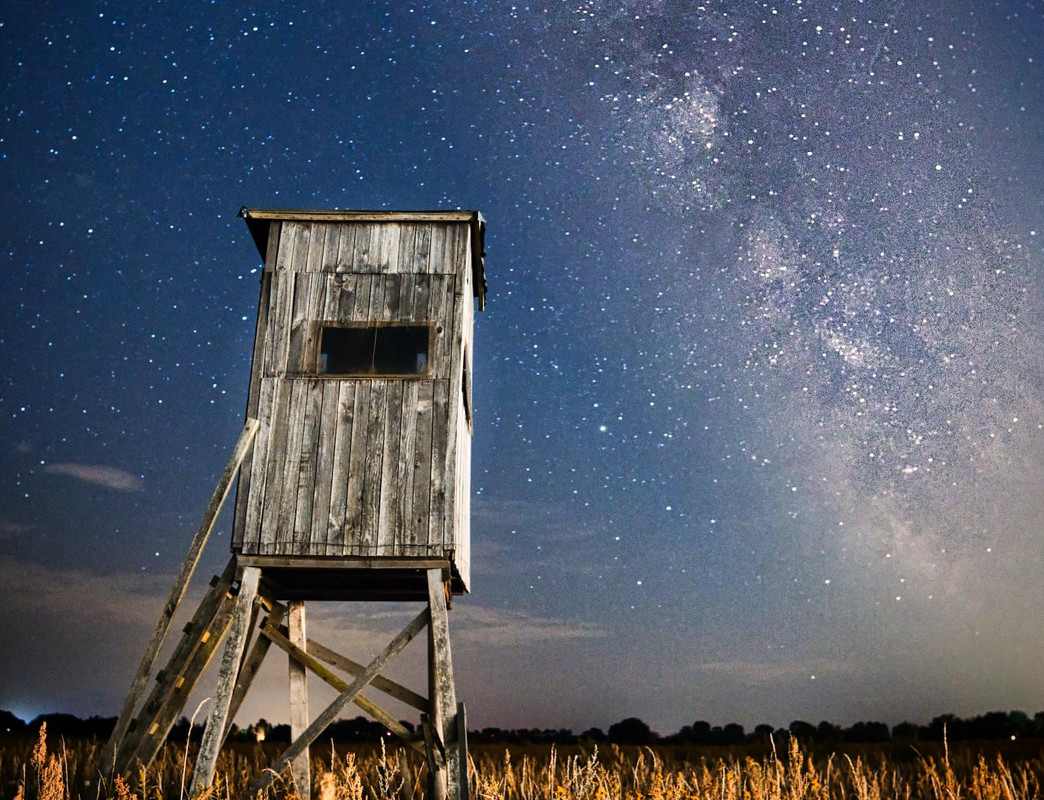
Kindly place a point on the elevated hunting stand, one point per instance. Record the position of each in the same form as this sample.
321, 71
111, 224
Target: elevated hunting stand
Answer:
354, 473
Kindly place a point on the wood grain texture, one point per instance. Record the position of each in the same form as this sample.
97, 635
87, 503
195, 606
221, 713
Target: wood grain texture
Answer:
334, 709
213, 734
361, 466
298, 674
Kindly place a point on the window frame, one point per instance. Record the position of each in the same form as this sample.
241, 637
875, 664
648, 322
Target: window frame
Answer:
317, 358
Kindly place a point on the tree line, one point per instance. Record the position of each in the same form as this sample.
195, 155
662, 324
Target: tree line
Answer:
995, 725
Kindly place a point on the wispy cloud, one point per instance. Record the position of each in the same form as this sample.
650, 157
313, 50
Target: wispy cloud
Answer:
498, 628
10, 529
109, 477
126, 598
763, 672
486, 626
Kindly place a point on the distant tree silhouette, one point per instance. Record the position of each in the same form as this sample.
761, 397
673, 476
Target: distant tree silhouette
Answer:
802, 731
594, 735
761, 734
701, 732
867, 733
631, 731
828, 732
733, 734
906, 732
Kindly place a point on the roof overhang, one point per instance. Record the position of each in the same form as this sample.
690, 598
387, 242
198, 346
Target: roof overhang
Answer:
259, 221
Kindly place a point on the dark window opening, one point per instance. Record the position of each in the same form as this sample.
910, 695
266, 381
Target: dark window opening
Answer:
374, 350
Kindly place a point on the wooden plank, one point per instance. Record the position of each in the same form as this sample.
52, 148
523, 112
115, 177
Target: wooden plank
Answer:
281, 638
443, 695
275, 478
329, 415
250, 535
248, 671
283, 541
437, 247
455, 422
405, 261
350, 563
422, 250
330, 713
355, 495
406, 472
326, 215
372, 468
441, 303
440, 470
175, 667
313, 260
389, 687
335, 542
420, 505
387, 250
154, 737
389, 520
365, 245
181, 582
312, 400
213, 734
391, 303
293, 243
303, 349
344, 261
257, 370
462, 748
287, 245
299, 768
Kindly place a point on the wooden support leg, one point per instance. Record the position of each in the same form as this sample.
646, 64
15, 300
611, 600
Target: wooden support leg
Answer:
442, 693
252, 664
214, 734
177, 593
462, 749
299, 767
153, 736
208, 621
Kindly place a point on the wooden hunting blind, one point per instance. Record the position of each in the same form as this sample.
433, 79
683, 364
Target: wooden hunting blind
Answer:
361, 381
353, 483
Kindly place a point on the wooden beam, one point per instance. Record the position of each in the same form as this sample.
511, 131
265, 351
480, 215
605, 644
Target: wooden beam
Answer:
462, 749
444, 701
389, 687
248, 670
214, 734
323, 720
194, 636
342, 563
151, 739
300, 771
279, 637
177, 592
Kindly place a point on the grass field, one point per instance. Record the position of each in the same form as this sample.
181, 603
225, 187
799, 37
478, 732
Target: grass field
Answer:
58, 770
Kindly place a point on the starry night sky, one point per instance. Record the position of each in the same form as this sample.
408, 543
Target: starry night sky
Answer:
758, 389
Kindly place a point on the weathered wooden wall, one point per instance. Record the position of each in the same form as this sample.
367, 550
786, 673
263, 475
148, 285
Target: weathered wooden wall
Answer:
360, 466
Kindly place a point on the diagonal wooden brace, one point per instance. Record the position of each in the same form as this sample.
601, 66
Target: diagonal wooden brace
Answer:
389, 687
279, 637
177, 593
313, 731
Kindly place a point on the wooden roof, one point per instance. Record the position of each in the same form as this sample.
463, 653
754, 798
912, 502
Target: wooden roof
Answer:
259, 220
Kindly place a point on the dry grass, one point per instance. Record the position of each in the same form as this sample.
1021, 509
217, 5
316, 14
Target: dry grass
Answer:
40, 771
